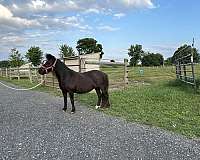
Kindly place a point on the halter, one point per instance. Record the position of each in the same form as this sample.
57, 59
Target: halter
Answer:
50, 67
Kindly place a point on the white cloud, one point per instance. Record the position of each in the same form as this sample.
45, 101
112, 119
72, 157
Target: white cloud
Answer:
92, 10
5, 12
22, 16
132, 3
119, 15
108, 28
63, 23
86, 6
41, 6
9, 21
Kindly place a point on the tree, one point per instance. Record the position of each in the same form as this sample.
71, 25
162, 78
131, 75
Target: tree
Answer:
168, 61
88, 46
34, 55
184, 51
152, 59
15, 58
4, 64
135, 52
66, 51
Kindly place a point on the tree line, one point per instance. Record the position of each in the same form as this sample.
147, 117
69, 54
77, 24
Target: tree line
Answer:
89, 45
139, 57
35, 54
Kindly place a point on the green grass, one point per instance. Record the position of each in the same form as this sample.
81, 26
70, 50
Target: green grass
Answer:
164, 103
25, 83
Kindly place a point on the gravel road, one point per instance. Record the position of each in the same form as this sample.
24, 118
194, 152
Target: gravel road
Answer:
33, 126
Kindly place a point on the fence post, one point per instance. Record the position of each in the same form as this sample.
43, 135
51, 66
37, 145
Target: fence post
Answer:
125, 72
193, 74
79, 63
6, 72
53, 79
10, 73
18, 73
30, 73
83, 65
179, 70
42, 80
184, 71
1, 72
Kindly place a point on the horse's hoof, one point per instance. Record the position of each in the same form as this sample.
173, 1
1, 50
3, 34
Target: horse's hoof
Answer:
72, 112
96, 107
64, 109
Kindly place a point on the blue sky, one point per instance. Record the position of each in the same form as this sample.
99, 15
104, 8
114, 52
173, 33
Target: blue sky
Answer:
158, 25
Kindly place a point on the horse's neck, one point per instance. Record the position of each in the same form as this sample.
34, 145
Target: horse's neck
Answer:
62, 71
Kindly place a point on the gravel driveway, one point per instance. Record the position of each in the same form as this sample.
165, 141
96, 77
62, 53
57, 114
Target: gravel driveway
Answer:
33, 126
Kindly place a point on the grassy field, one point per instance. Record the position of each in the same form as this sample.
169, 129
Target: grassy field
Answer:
154, 98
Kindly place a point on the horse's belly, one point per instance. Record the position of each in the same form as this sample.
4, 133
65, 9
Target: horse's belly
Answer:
85, 86
82, 89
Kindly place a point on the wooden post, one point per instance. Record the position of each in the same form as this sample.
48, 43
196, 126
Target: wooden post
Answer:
125, 72
83, 65
79, 63
30, 73
184, 71
6, 72
18, 73
42, 79
45, 79
192, 65
53, 81
10, 73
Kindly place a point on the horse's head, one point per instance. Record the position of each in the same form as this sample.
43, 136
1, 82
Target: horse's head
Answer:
48, 65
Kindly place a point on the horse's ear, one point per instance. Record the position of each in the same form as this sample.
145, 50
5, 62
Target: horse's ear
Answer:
49, 56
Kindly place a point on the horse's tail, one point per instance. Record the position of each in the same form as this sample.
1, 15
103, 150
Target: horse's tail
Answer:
106, 81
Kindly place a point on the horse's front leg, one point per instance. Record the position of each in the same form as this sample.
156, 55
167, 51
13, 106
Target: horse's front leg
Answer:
65, 100
71, 95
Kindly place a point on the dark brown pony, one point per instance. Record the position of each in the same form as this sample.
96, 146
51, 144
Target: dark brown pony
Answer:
73, 82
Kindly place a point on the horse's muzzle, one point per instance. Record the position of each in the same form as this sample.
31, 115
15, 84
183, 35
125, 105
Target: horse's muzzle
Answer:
41, 71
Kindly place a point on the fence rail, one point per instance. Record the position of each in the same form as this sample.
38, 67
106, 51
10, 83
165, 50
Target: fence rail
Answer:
50, 79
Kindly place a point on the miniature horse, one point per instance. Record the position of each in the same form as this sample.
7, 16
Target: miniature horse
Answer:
73, 82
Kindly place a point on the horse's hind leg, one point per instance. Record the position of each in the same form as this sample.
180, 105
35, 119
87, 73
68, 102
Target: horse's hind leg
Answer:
105, 97
71, 95
99, 98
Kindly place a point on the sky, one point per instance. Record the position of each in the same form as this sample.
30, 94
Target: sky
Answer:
160, 26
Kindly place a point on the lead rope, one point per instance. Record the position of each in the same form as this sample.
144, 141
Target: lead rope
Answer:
27, 89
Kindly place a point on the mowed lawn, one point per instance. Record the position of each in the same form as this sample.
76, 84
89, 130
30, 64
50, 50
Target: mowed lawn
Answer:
154, 98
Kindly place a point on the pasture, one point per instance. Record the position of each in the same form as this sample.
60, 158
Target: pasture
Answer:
153, 97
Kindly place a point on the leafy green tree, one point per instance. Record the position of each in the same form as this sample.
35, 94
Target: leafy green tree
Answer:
4, 64
168, 61
34, 55
152, 59
88, 46
135, 52
15, 58
184, 51
66, 51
